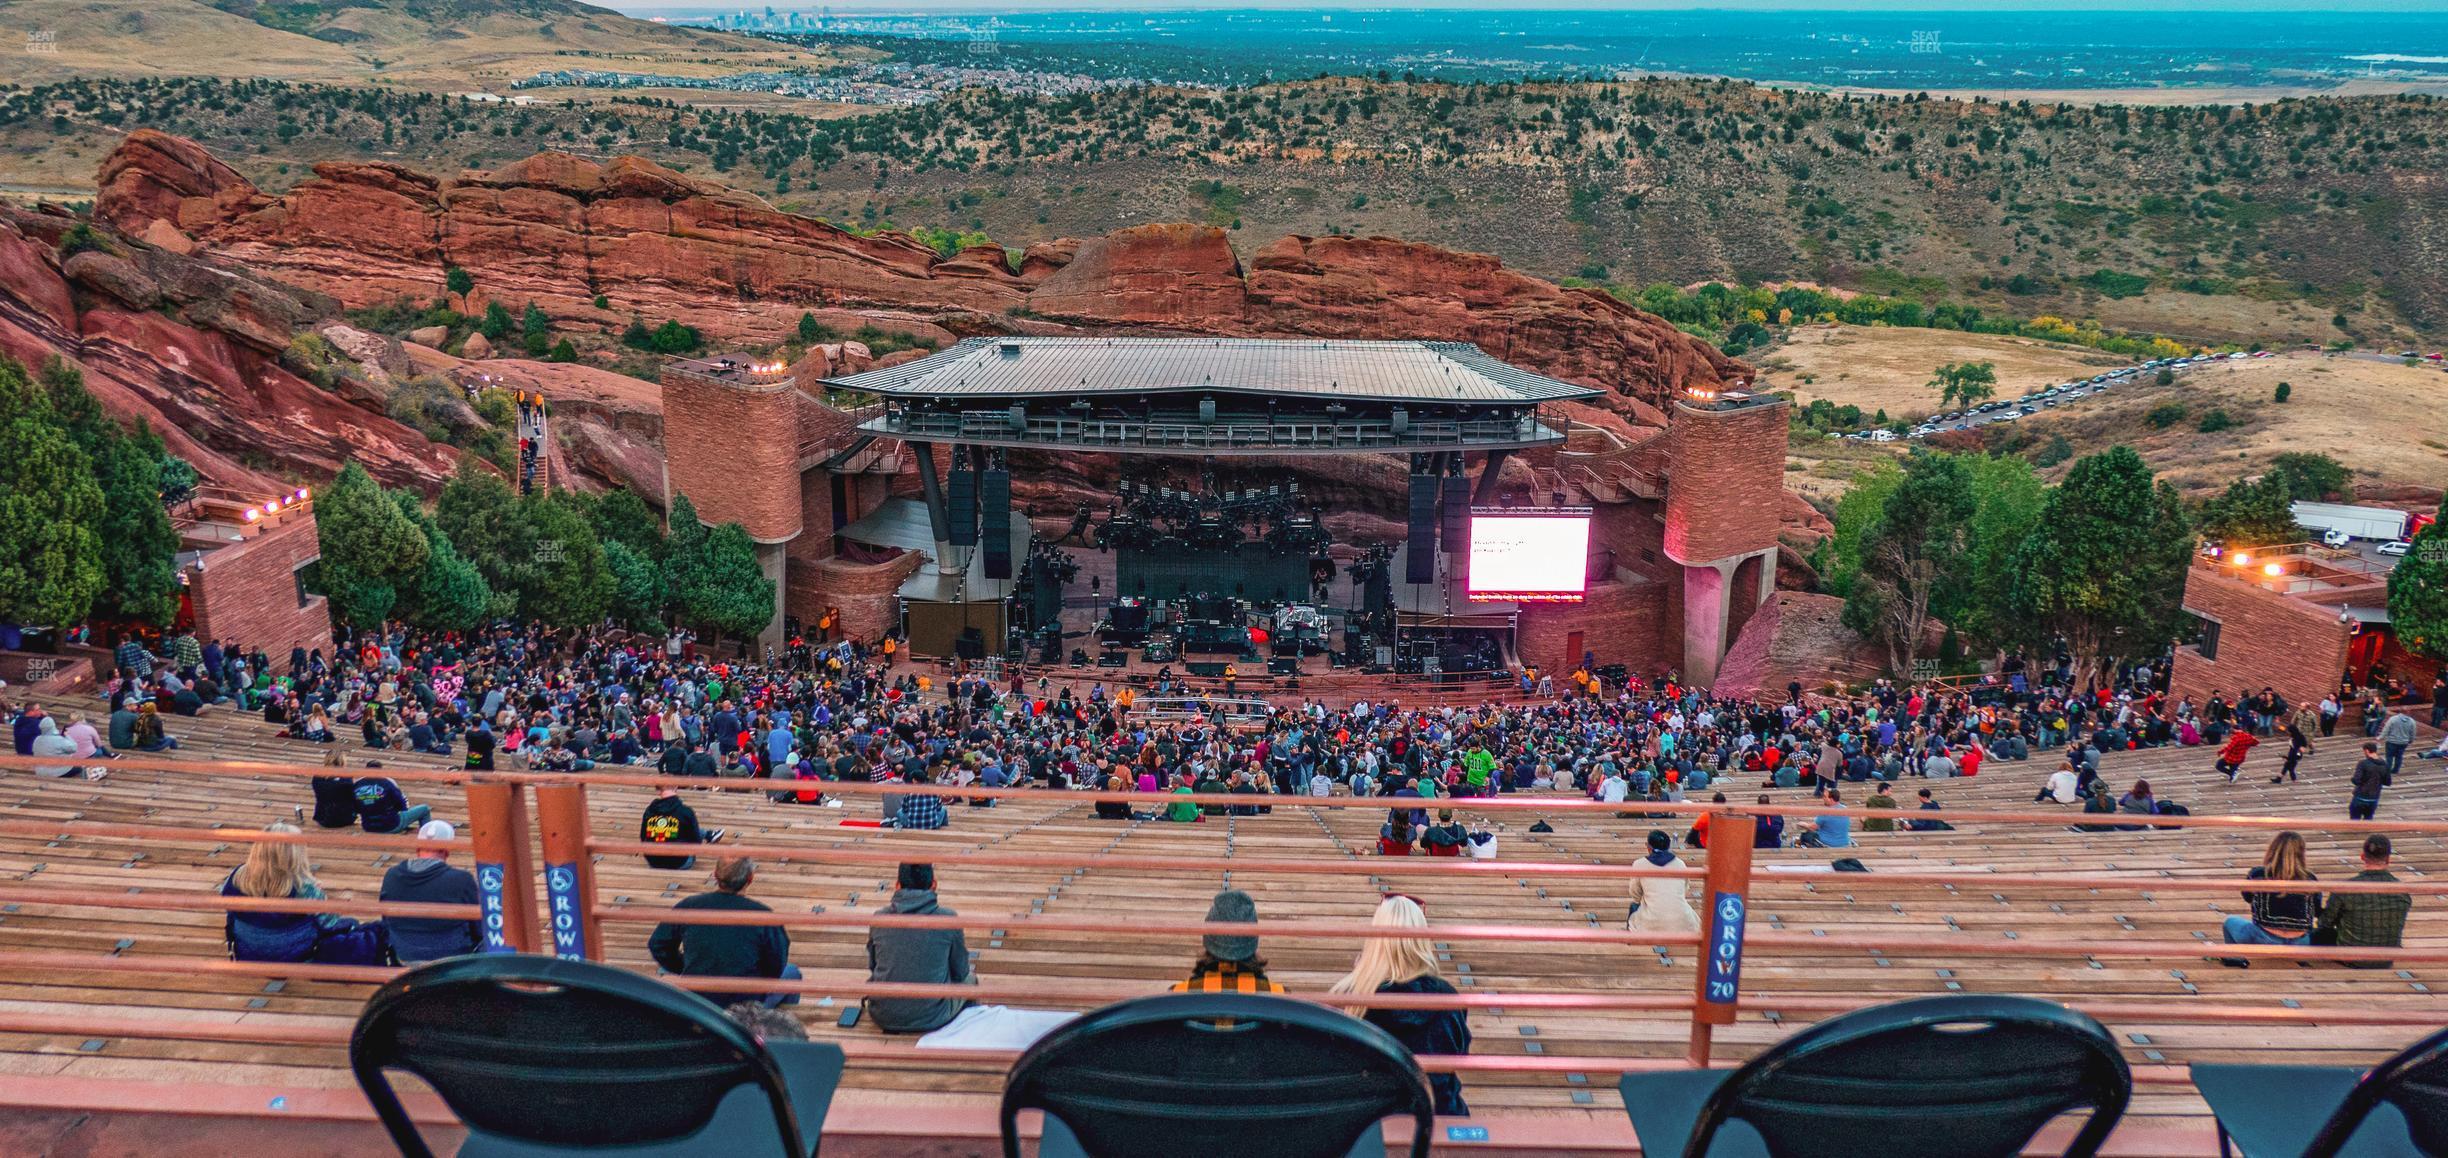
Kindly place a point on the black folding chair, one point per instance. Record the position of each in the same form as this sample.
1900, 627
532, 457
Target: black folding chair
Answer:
540, 1056
2400, 1107
1193, 1074
1961, 1076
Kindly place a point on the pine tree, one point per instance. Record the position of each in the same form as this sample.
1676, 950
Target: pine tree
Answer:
2418, 592
369, 547
51, 562
713, 577
2103, 571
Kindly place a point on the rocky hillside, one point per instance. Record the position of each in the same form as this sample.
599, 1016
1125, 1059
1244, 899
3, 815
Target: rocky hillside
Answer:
2305, 219
595, 245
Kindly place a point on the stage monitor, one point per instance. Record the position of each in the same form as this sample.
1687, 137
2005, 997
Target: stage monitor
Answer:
1529, 554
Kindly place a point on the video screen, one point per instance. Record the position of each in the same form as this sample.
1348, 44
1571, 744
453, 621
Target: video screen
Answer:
1537, 555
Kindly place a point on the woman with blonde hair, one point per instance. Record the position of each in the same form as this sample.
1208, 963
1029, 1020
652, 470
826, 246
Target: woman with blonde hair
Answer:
2277, 918
278, 869
1409, 965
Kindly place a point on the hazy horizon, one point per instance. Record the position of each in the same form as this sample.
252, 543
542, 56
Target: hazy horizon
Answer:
2339, 7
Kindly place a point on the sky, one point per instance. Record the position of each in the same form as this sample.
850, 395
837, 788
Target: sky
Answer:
2359, 7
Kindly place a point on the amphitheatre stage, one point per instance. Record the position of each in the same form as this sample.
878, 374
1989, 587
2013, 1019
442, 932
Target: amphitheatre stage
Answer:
123, 1025
1187, 458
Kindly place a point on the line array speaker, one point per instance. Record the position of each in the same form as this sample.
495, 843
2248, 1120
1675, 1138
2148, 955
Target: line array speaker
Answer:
994, 514
960, 493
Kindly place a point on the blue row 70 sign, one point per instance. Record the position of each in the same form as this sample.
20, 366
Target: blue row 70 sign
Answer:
1725, 943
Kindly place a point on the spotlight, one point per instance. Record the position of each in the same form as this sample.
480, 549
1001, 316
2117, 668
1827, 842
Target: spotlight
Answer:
2273, 570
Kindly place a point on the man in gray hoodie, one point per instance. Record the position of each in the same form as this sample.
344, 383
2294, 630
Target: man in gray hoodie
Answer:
2396, 736
919, 956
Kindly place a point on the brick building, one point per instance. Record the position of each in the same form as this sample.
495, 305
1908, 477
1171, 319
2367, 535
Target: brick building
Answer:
240, 564
1685, 521
2295, 619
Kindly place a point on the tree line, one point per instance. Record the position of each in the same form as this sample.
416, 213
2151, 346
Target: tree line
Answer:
560, 558
83, 529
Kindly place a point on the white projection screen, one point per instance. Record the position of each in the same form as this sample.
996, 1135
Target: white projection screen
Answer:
1529, 554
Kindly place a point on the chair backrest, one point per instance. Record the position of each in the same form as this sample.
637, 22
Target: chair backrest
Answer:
1963, 1076
1216, 1073
564, 1052
2415, 1081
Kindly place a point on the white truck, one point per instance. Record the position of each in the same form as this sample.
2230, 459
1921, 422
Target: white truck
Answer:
2354, 522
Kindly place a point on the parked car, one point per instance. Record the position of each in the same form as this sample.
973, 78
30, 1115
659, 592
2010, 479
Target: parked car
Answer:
2396, 549
1882, 436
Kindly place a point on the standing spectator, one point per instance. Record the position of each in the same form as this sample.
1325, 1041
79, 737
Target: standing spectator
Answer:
2277, 918
2396, 736
2365, 920
2231, 757
727, 950
2371, 774
1409, 965
430, 879
917, 957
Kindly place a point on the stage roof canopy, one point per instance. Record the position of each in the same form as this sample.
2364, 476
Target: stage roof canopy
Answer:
1013, 368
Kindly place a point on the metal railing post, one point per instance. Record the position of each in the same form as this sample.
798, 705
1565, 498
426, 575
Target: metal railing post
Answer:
1725, 899
505, 866
569, 872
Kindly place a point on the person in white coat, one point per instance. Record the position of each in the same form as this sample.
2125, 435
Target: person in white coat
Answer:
1661, 904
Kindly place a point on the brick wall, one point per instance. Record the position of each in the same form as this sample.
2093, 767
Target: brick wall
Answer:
51, 675
248, 590
2265, 640
734, 451
866, 594
1725, 481
1624, 623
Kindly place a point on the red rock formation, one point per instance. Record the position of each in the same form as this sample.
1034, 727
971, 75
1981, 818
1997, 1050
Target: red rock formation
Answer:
192, 350
558, 231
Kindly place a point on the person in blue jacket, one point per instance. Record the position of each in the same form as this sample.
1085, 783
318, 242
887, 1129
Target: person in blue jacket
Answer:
1409, 965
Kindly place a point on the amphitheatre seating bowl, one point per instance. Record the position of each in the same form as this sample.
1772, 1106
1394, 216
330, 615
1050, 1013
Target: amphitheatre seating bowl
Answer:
115, 955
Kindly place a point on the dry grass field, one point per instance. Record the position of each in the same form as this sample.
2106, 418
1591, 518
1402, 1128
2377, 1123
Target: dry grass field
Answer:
1883, 368
483, 53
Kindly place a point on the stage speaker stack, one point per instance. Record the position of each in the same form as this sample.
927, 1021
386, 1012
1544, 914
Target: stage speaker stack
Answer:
960, 493
994, 532
1419, 550
1456, 513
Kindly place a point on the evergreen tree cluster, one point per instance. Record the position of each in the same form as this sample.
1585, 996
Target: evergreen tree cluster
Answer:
560, 558
83, 529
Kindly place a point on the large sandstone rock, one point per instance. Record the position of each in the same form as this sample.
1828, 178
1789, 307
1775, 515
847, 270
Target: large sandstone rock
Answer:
558, 230
189, 348
477, 347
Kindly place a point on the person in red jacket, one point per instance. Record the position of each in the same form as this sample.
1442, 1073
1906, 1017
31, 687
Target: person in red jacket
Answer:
2231, 757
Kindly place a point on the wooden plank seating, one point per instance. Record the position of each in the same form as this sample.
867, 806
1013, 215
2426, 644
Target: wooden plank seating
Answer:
1848, 939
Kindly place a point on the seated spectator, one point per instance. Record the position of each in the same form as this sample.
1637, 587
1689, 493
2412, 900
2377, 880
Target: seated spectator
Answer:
335, 797
1115, 809
80, 732
278, 870
122, 727
26, 726
49, 742
382, 807
149, 736
917, 957
2138, 801
1832, 829
1882, 800
422, 737
727, 950
669, 820
1661, 904
1767, 831
1929, 803
920, 810
2365, 920
316, 726
1229, 963
2277, 918
430, 879
2063, 786
1939, 766
1444, 838
1482, 846
1394, 839
1409, 965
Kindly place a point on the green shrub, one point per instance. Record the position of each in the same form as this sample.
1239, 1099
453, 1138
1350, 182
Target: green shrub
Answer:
2165, 415
2283, 393
2215, 421
2117, 285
